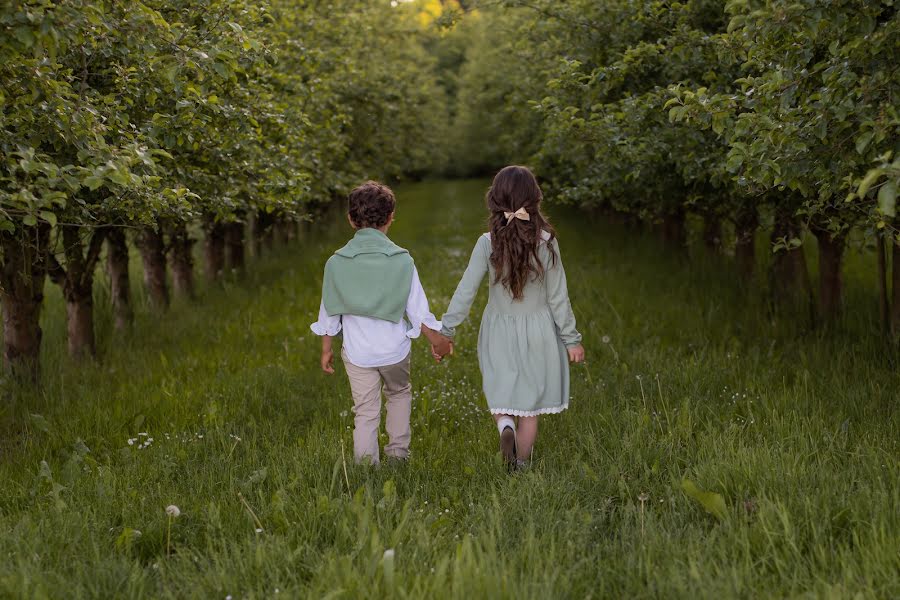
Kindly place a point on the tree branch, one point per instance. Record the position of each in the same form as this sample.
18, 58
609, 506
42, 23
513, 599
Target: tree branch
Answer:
55, 271
94, 248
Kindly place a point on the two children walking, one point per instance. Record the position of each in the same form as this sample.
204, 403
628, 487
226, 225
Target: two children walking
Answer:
371, 292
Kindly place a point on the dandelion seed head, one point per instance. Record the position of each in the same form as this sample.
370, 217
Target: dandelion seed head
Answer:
173, 511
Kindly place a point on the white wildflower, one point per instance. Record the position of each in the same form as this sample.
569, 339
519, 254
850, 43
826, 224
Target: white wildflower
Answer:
173, 511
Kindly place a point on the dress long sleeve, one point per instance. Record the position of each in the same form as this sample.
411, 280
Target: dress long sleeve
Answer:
465, 293
558, 299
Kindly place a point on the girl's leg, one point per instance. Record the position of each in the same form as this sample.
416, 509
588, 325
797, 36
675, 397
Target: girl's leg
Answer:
525, 435
506, 426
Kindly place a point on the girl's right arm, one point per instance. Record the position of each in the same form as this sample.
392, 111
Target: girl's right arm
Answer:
467, 289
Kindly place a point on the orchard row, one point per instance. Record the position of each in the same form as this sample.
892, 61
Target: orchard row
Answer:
141, 124
778, 117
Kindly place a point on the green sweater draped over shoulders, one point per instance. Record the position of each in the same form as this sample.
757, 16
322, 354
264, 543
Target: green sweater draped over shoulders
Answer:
369, 277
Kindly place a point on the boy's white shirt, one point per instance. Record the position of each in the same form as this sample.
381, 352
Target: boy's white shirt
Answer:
372, 342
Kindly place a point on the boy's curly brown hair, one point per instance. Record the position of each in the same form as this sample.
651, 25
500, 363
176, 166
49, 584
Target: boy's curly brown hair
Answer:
371, 205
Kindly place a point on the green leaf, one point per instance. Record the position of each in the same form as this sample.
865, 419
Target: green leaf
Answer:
712, 502
93, 182
887, 198
29, 220
862, 142
49, 217
870, 178
25, 36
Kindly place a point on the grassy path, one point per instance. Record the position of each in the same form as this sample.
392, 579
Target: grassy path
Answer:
799, 435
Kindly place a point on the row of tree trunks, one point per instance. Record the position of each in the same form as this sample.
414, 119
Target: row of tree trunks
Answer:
27, 259
119, 280
22, 275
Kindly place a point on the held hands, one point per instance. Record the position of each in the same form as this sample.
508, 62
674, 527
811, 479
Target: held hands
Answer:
576, 353
442, 348
441, 345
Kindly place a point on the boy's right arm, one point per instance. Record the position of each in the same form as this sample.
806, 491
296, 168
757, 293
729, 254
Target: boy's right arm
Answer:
327, 327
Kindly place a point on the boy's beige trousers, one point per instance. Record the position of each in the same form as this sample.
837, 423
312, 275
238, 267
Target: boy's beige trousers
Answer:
366, 386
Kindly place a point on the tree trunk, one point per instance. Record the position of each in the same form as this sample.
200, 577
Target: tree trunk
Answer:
263, 236
790, 281
745, 246
24, 270
120, 283
80, 324
181, 260
712, 233
77, 282
673, 231
214, 249
153, 256
831, 254
303, 229
895, 287
286, 231
234, 241
883, 300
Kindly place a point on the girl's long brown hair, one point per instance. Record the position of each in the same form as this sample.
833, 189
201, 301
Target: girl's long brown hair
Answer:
514, 244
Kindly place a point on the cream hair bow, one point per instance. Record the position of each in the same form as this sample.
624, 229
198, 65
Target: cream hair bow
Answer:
520, 214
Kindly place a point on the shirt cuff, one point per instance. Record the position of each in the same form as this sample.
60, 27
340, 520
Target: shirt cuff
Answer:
415, 329
449, 332
320, 328
572, 340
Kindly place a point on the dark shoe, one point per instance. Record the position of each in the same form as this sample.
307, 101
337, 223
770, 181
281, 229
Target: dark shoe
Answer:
397, 461
508, 447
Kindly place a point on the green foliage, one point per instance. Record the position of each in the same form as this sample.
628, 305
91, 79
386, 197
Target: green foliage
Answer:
715, 108
112, 111
168, 115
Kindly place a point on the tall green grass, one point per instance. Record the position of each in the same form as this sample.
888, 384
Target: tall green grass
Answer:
796, 429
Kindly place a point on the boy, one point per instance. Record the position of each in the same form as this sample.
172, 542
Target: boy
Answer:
369, 286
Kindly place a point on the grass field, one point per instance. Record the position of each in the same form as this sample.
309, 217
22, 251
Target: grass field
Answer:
798, 432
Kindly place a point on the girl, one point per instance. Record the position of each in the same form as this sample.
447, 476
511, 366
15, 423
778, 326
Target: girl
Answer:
527, 330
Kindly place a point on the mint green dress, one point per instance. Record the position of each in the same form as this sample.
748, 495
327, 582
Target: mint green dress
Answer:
521, 343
